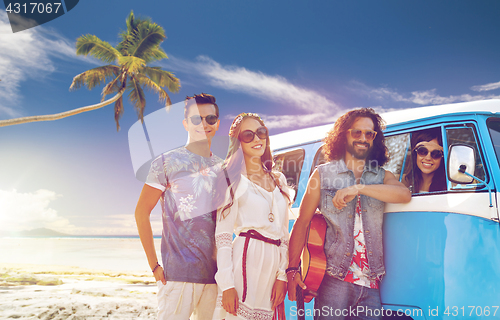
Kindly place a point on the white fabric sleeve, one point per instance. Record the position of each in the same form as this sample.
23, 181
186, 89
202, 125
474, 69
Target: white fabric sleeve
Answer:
157, 177
285, 236
224, 243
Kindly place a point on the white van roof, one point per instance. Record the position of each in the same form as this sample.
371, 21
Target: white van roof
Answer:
312, 134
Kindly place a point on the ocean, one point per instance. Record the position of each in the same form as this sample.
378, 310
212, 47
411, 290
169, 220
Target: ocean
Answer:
106, 253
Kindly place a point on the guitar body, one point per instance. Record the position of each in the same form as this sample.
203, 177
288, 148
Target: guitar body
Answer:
313, 257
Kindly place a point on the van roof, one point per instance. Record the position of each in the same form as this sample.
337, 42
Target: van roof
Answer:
313, 134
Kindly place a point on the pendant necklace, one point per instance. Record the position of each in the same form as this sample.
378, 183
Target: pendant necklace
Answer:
270, 216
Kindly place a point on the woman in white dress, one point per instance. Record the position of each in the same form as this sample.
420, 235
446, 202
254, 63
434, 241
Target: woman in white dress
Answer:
251, 269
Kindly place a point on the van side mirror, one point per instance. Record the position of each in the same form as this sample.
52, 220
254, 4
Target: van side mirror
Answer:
461, 159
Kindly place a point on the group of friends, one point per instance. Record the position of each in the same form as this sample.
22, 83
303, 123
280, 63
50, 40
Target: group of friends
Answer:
226, 252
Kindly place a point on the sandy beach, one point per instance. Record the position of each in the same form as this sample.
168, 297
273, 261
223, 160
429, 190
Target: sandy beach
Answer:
62, 292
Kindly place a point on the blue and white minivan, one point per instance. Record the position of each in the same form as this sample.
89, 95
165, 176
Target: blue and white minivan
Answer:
441, 250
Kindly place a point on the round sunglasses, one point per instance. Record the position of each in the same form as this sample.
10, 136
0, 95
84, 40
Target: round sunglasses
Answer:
211, 119
247, 136
369, 134
423, 152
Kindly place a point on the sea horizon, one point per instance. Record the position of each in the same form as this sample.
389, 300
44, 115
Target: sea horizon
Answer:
117, 253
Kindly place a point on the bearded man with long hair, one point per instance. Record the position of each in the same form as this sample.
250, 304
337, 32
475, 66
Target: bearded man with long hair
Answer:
350, 191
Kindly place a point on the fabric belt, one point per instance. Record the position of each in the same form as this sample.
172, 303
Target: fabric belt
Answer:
254, 235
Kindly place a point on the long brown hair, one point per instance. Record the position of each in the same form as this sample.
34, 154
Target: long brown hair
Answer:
230, 175
335, 141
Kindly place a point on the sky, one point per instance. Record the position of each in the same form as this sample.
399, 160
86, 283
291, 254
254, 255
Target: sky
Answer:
296, 63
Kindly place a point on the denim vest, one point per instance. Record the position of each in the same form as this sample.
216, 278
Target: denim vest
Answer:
339, 243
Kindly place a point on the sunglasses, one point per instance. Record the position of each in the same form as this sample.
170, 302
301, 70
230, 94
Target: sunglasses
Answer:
210, 119
369, 134
423, 152
247, 136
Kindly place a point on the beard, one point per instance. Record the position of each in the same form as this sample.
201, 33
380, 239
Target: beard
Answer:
360, 154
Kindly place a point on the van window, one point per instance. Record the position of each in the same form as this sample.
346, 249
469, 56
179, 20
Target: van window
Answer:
494, 128
398, 147
319, 158
290, 164
424, 168
465, 135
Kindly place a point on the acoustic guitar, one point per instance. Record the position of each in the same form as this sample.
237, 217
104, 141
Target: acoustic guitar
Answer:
313, 265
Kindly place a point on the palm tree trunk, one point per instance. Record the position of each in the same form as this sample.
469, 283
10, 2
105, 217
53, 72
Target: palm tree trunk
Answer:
57, 116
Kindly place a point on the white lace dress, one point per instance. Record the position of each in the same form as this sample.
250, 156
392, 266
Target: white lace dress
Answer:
266, 262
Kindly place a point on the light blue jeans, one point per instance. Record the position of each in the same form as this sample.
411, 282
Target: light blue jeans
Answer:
338, 299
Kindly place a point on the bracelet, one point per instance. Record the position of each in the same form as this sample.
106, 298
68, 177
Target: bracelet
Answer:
293, 273
156, 267
292, 269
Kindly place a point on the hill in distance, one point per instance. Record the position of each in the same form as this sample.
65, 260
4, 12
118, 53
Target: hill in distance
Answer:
36, 233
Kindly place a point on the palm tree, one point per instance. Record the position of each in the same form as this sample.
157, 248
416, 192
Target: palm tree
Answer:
139, 46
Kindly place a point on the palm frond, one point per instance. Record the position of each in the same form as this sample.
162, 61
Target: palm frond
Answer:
152, 86
118, 112
137, 97
113, 86
94, 77
130, 21
95, 47
131, 64
144, 42
125, 35
162, 78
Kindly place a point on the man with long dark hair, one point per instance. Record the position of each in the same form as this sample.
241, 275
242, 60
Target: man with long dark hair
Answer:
350, 191
183, 179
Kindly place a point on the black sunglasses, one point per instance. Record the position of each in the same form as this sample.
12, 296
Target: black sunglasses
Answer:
210, 119
423, 151
247, 136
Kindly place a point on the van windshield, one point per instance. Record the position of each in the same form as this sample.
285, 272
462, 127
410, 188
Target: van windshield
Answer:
494, 128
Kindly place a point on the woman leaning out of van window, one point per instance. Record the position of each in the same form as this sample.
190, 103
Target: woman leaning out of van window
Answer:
427, 168
251, 269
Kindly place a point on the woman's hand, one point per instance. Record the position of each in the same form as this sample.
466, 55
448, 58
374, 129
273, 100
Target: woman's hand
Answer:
294, 280
230, 300
278, 294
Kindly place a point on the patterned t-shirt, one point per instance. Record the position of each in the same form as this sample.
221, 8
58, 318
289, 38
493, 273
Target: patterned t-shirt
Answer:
359, 270
188, 184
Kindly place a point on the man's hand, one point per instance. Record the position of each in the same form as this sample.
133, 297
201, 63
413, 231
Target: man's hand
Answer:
293, 282
230, 301
343, 196
159, 275
278, 294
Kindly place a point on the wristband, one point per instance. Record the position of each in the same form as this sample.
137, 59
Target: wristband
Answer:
156, 267
292, 269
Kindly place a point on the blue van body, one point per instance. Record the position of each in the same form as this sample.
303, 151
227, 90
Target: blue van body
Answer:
441, 250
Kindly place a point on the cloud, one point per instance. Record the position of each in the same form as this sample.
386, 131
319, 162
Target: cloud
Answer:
255, 83
486, 87
427, 97
24, 55
295, 120
25, 211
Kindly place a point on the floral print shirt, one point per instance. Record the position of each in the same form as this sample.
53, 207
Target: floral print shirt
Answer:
359, 270
188, 184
